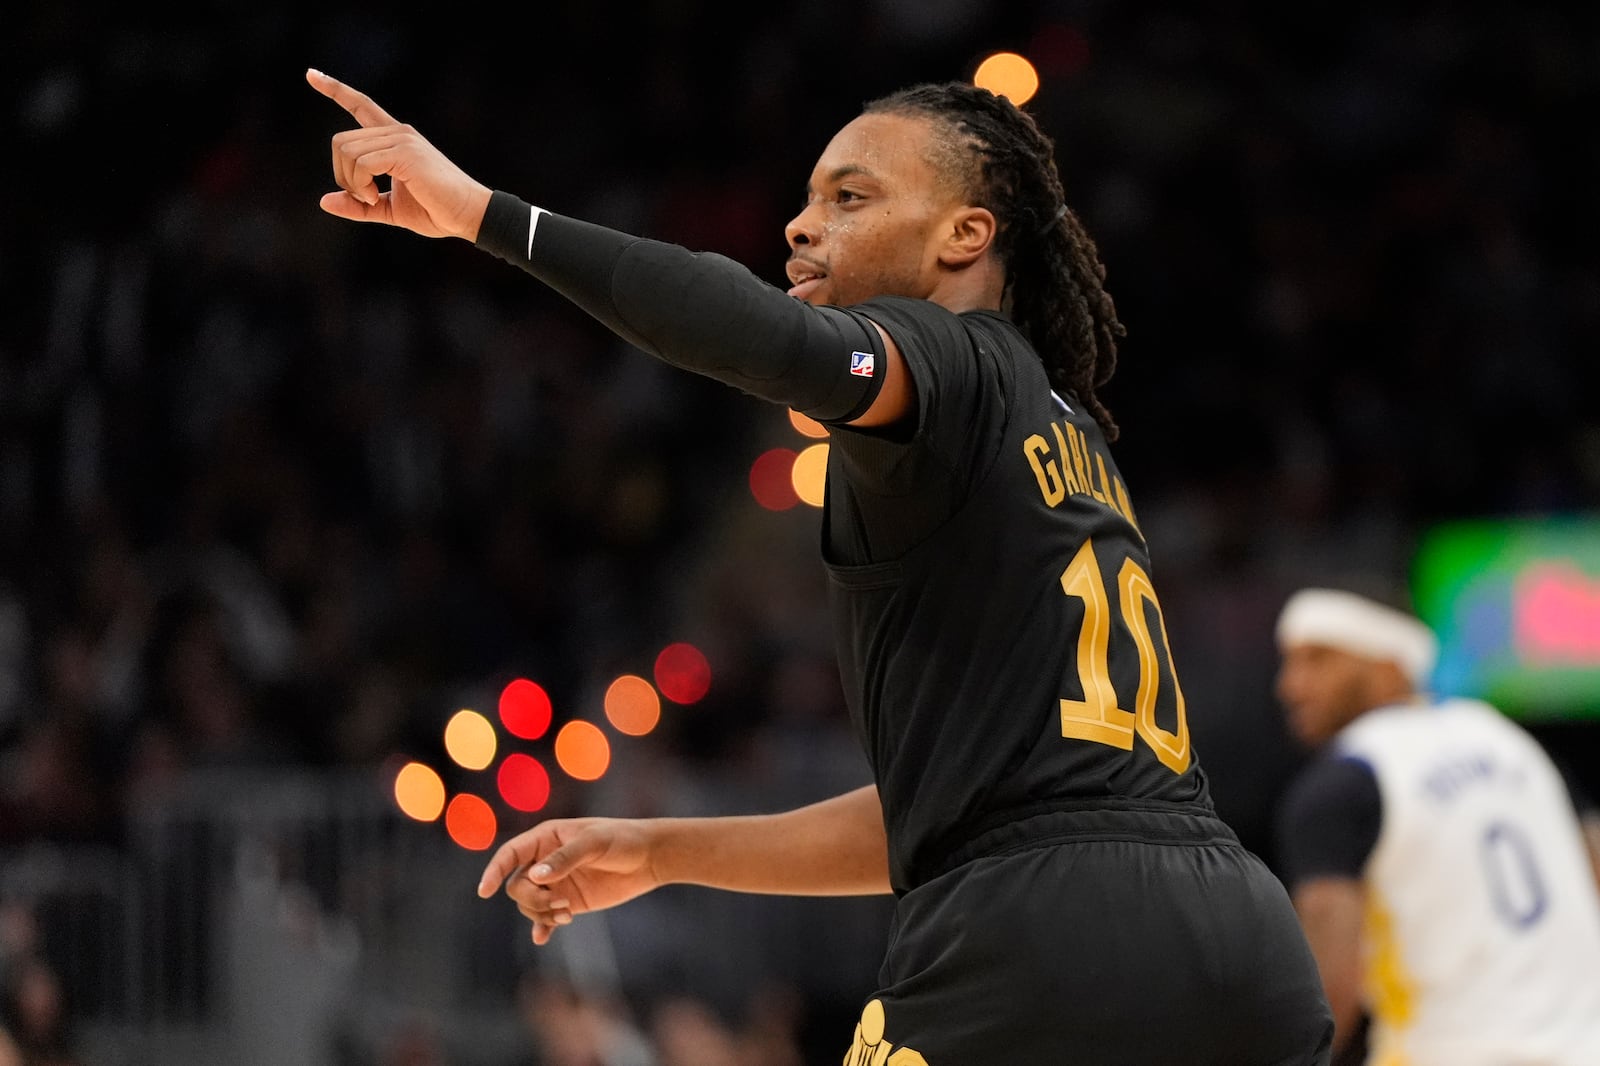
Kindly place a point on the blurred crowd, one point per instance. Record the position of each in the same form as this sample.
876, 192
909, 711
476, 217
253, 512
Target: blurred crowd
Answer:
274, 488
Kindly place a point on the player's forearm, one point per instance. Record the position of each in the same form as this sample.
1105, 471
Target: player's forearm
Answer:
698, 311
1590, 822
1330, 911
833, 848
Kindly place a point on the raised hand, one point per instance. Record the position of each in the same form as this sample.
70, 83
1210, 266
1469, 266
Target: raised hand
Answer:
428, 194
568, 867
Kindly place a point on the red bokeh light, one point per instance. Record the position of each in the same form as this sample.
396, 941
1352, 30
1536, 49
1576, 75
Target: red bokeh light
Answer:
524, 782
682, 673
525, 709
771, 480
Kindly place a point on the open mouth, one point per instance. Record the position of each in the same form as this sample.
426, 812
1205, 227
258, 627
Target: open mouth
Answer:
804, 278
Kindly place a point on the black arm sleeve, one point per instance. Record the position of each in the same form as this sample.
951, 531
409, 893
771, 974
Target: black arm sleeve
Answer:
697, 310
1329, 821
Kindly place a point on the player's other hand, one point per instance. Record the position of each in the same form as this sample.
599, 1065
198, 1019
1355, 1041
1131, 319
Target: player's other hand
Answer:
567, 867
427, 194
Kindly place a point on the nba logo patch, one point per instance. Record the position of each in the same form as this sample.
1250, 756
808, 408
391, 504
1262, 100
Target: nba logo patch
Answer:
861, 364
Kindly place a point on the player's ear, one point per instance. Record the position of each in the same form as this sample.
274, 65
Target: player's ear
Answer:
969, 236
1390, 683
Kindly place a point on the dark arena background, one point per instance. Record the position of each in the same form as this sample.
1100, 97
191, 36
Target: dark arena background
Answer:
330, 556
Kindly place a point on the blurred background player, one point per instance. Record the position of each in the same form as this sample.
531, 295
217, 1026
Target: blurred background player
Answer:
1433, 852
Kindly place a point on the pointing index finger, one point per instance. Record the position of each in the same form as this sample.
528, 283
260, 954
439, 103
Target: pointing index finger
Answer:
359, 104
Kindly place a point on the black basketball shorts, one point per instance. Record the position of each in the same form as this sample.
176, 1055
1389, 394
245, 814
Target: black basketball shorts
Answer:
1101, 938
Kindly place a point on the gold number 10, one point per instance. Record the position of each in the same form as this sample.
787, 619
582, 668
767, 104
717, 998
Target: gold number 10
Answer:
1097, 717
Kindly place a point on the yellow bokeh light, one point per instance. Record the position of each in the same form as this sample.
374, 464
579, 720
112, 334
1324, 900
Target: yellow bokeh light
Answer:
1008, 74
806, 425
419, 791
811, 474
632, 705
469, 739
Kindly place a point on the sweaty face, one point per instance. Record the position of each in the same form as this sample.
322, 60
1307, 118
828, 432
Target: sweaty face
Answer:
1324, 689
870, 222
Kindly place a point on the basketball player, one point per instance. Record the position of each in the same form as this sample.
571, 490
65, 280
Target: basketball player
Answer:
1433, 853
1065, 891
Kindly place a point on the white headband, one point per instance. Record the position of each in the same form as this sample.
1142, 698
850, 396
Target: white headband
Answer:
1359, 626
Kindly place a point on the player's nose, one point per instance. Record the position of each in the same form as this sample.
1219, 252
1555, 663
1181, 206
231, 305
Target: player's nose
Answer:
803, 229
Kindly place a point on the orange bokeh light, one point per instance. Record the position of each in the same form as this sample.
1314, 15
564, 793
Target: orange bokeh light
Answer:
471, 822
419, 791
807, 426
811, 474
582, 751
632, 705
1008, 74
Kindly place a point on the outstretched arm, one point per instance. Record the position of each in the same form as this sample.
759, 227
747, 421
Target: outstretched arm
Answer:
568, 867
698, 311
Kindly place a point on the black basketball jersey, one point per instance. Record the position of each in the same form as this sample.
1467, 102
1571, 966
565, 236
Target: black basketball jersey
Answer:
1000, 641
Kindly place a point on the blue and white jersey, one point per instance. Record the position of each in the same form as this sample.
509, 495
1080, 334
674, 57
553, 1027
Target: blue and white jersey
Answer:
1482, 940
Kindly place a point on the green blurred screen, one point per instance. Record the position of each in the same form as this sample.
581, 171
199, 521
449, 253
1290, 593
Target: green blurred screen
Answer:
1516, 605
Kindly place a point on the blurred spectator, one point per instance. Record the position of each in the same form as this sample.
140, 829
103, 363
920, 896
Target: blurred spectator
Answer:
572, 1027
416, 1044
36, 1015
687, 1033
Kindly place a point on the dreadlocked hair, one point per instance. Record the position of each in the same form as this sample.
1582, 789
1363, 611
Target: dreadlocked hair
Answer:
1055, 281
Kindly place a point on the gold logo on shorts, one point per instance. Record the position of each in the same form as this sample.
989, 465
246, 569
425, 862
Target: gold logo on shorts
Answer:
870, 1048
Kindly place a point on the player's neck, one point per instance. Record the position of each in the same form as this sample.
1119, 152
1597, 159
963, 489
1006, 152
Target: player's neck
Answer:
978, 287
